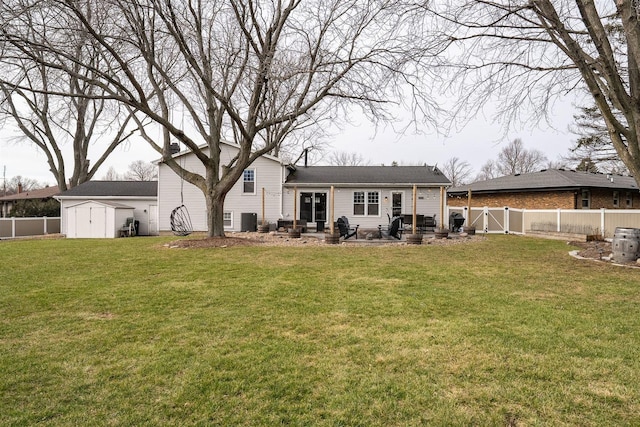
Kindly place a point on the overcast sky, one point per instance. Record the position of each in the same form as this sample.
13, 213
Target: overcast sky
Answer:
478, 142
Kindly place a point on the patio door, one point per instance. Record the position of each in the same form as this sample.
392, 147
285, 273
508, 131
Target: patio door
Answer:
313, 207
396, 204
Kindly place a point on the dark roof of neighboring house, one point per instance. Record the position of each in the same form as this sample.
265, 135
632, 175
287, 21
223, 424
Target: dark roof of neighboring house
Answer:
549, 179
112, 189
41, 193
364, 175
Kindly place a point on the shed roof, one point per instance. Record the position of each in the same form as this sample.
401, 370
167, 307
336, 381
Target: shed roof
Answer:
105, 189
366, 175
549, 179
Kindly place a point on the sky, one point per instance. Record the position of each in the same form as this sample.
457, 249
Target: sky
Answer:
477, 142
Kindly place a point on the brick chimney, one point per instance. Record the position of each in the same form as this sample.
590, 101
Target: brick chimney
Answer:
19, 187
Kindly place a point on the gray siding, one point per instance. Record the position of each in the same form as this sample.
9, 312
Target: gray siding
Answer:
268, 174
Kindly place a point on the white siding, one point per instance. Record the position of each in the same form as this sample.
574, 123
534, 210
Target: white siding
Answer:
427, 203
268, 175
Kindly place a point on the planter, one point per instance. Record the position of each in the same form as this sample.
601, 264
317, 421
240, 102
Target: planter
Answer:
469, 230
414, 239
263, 228
441, 233
294, 233
331, 239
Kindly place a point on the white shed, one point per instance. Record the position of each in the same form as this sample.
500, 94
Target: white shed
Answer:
98, 209
96, 220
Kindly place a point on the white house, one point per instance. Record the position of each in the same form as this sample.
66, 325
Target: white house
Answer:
98, 209
367, 195
260, 185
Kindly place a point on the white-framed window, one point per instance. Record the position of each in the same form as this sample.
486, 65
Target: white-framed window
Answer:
227, 218
586, 199
616, 199
249, 181
629, 200
366, 203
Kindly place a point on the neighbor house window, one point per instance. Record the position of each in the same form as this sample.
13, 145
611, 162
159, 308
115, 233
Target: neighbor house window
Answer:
227, 218
586, 199
366, 203
249, 181
616, 199
629, 200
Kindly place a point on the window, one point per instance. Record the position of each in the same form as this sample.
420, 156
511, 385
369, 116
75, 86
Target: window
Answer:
227, 218
616, 199
629, 200
249, 181
586, 199
366, 203
373, 203
358, 203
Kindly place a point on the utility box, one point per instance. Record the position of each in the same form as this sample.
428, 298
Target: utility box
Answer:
248, 221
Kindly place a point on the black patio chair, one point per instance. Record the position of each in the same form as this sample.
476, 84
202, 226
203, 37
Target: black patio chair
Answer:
394, 229
345, 229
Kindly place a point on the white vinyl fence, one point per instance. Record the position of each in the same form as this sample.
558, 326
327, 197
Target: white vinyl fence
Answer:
27, 227
518, 221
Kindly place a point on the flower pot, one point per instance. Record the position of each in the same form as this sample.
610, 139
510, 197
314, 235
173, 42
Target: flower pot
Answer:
469, 230
414, 239
331, 239
441, 233
294, 233
264, 228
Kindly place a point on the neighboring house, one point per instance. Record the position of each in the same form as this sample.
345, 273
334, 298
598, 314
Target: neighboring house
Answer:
98, 209
244, 201
7, 203
551, 189
366, 195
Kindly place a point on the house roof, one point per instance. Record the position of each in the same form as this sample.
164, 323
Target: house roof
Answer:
365, 175
549, 179
42, 193
109, 189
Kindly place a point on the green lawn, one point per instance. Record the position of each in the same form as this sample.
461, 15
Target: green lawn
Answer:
506, 331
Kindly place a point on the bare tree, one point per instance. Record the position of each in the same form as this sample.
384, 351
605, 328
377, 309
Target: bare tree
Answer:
514, 159
457, 171
247, 71
81, 120
141, 171
112, 175
342, 158
528, 53
488, 171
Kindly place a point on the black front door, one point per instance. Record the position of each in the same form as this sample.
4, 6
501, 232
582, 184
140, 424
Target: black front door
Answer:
306, 206
321, 206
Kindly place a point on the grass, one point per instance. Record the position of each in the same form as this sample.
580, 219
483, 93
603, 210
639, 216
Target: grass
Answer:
507, 331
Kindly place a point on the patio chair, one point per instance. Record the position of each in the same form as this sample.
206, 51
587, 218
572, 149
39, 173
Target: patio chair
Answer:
345, 229
394, 229
129, 228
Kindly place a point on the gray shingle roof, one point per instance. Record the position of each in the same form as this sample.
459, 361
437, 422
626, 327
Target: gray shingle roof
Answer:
550, 179
113, 189
363, 175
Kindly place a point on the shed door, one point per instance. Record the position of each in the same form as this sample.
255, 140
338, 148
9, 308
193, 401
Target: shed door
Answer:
91, 222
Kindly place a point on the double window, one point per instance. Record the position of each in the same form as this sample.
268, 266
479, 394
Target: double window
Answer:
366, 203
249, 181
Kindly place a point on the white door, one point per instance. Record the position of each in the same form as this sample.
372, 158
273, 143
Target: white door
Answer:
91, 222
153, 220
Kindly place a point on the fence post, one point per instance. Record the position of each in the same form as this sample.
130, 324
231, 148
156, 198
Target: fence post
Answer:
506, 220
486, 219
558, 219
44, 228
13, 227
602, 215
